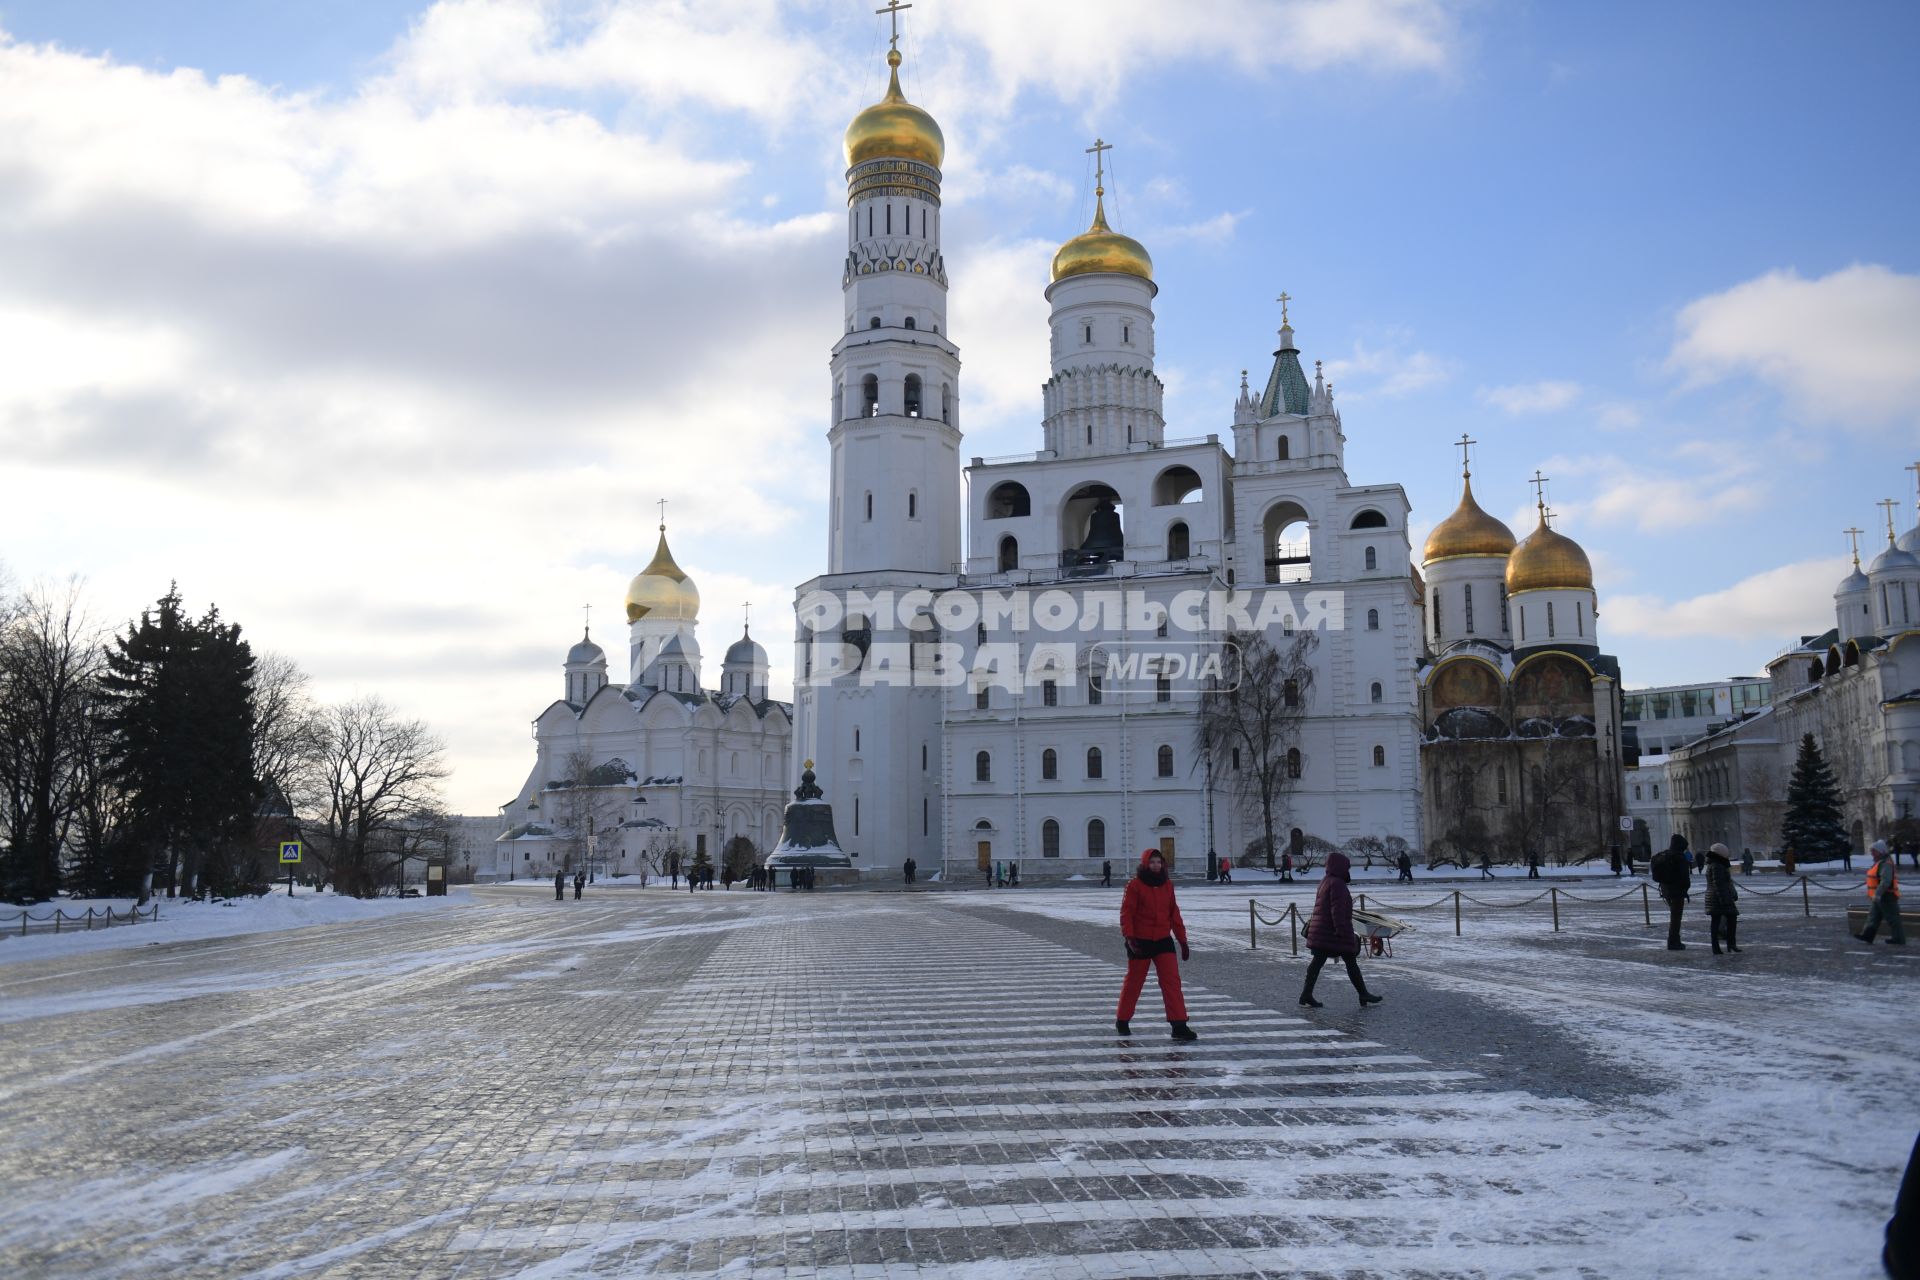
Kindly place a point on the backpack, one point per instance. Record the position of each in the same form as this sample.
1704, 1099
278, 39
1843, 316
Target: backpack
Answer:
1662, 867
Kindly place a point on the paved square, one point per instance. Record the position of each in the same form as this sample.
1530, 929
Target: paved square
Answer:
868, 1084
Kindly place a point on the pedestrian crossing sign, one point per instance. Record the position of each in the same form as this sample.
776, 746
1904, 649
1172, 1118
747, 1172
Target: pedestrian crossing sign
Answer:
289, 851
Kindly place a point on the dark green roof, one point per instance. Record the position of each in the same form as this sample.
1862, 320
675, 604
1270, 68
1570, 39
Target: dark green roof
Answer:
1287, 385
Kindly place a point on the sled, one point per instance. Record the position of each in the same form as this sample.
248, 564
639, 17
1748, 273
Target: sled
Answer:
1378, 930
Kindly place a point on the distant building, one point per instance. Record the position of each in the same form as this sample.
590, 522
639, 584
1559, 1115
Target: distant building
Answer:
1672, 715
1855, 688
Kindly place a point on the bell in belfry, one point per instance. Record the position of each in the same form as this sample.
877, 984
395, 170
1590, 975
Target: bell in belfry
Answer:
806, 836
1105, 541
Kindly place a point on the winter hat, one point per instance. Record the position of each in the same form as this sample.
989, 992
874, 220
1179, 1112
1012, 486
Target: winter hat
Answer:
1879, 848
1718, 851
1150, 853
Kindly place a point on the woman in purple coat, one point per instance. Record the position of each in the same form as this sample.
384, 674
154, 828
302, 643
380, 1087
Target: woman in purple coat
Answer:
1330, 932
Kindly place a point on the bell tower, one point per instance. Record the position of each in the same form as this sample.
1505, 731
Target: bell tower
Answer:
895, 417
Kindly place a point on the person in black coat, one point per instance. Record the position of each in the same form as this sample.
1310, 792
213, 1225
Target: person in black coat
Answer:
1330, 932
559, 886
1675, 878
1722, 912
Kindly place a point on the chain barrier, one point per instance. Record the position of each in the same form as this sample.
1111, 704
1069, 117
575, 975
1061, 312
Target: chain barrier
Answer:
1554, 894
58, 917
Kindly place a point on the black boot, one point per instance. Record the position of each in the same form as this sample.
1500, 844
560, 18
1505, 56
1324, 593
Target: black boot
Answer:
1306, 998
1120, 1027
1367, 998
1181, 1031
1730, 928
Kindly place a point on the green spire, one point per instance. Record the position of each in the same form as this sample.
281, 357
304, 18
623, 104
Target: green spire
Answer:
1287, 385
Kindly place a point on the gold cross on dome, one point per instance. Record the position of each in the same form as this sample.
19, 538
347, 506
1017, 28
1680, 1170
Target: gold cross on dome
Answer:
1539, 483
893, 14
663, 515
1853, 537
1915, 468
1466, 462
1283, 300
1889, 504
1098, 151
747, 610
589, 609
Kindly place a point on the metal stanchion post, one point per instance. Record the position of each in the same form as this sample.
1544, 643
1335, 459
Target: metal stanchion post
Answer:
1553, 892
1646, 905
1253, 936
1293, 925
1456, 913
1806, 903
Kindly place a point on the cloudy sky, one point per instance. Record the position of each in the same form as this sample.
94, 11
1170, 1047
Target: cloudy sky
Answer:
384, 324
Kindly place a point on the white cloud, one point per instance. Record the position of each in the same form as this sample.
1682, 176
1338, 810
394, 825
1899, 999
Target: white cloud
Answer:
1658, 499
1215, 230
1789, 601
1388, 370
1840, 347
1531, 397
1618, 417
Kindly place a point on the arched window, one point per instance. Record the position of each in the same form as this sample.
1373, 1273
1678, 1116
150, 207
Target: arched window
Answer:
1375, 693
913, 395
913, 505
1049, 765
1379, 757
1049, 839
1289, 543
1164, 761
1177, 542
839, 400
1093, 762
1466, 597
1293, 762
911, 324
946, 402
1177, 485
1096, 839
1008, 500
1373, 619
869, 504
1371, 560
875, 322
1282, 450
856, 738
1009, 553
982, 767
1500, 785
923, 757
870, 394
1290, 693
1368, 519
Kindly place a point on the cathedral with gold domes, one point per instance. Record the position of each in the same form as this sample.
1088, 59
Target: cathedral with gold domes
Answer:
634, 775
1522, 744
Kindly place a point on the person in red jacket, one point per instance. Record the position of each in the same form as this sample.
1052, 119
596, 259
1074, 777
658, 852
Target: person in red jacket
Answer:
1330, 931
1149, 924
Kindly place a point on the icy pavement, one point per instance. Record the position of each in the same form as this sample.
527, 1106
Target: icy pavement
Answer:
928, 1085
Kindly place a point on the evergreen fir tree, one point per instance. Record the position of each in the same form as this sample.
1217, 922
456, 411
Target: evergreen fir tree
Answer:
1813, 829
180, 707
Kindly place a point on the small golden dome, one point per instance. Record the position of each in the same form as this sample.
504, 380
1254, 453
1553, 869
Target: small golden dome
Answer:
894, 128
662, 589
1101, 249
1547, 560
1469, 531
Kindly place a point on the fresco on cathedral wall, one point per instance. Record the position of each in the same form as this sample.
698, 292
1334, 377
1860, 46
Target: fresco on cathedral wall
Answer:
1465, 684
1553, 684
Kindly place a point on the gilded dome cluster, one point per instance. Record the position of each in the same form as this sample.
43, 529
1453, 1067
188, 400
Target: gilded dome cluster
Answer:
894, 128
1544, 560
662, 589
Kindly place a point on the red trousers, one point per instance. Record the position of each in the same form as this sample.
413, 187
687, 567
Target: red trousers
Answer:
1168, 968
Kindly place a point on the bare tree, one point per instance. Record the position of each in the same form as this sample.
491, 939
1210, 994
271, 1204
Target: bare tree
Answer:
1256, 707
49, 656
287, 726
375, 773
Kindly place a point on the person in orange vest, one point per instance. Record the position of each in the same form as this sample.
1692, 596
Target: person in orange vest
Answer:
1883, 898
1150, 924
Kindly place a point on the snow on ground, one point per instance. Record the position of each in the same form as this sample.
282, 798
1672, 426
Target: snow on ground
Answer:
1755, 1126
185, 920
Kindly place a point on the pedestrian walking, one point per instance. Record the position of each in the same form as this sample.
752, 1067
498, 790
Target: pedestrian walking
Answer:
1150, 925
1330, 931
1883, 898
1846, 857
1787, 861
1746, 862
1013, 874
1533, 864
1106, 874
1613, 857
906, 869
559, 886
1286, 868
1226, 871
579, 883
1486, 867
1406, 867
1671, 871
1722, 911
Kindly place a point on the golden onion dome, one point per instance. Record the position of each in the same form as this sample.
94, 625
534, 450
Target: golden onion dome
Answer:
894, 128
1469, 531
662, 589
1546, 560
1101, 249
